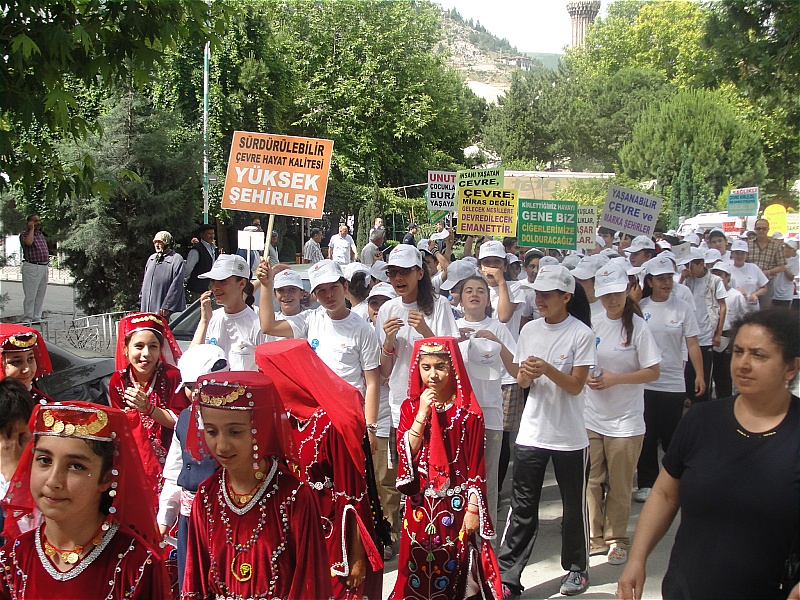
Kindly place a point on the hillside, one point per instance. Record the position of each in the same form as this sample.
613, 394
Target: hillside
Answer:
485, 59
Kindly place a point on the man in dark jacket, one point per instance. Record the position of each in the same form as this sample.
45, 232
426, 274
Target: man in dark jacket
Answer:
200, 260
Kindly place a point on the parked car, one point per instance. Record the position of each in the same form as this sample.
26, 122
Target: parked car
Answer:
184, 324
75, 377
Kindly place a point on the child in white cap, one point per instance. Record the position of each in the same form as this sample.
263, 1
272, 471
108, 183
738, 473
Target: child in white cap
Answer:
342, 339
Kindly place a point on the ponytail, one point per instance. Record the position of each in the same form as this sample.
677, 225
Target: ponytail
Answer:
631, 308
249, 291
425, 294
578, 306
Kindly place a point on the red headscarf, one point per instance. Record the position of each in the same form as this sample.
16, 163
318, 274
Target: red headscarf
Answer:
134, 514
243, 390
16, 338
465, 398
170, 351
305, 383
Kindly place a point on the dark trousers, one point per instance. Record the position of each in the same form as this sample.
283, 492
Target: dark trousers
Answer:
662, 411
183, 539
721, 373
689, 376
505, 457
572, 472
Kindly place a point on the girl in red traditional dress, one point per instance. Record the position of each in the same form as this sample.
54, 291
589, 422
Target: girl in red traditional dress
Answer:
440, 441
328, 424
146, 381
254, 528
98, 540
25, 358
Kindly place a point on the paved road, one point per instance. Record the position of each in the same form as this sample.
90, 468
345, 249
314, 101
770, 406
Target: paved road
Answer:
59, 301
542, 576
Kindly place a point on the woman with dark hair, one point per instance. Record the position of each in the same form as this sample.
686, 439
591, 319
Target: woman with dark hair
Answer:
145, 384
554, 354
358, 283
445, 550
416, 313
99, 537
732, 470
627, 358
235, 327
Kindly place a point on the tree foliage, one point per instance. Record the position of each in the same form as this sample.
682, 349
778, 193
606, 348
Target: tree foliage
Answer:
54, 52
722, 147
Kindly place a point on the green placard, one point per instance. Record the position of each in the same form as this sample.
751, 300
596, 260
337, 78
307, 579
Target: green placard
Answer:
548, 223
437, 215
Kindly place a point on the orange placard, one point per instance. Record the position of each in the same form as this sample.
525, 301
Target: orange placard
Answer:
277, 174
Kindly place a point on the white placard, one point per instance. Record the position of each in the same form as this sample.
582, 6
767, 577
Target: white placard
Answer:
251, 240
442, 190
587, 227
630, 211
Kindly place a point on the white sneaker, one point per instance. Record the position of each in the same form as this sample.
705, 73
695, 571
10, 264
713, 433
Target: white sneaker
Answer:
642, 494
617, 555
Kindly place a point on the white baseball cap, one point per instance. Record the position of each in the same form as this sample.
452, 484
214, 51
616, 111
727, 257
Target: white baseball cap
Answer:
352, 268
587, 267
492, 248
512, 258
712, 255
777, 235
471, 260
548, 260
640, 242
287, 278
554, 277
791, 242
660, 265
378, 271
458, 270
722, 266
692, 238
227, 265
693, 254
201, 360
611, 279
382, 289
404, 256
668, 254
325, 271
440, 235
571, 261
740, 246
608, 252
423, 244
483, 358
664, 245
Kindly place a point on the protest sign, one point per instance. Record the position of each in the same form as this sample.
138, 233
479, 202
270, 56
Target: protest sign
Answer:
775, 214
481, 178
548, 223
441, 190
277, 174
743, 202
250, 240
681, 250
630, 211
434, 216
792, 223
490, 212
587, 227
730, 227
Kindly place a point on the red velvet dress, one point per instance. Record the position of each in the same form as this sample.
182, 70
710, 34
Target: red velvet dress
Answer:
40, 397
341, 493
118, 568
434, 556
280, 552
161, 393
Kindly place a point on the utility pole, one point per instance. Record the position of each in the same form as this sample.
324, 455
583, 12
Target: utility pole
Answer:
206, 61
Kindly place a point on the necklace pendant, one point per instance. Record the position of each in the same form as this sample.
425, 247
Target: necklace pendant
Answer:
243, 573
70, 557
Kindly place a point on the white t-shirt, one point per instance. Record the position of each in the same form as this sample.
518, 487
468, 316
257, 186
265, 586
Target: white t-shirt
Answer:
597, 308
516, 294
348, 346
698, 286
361, 309
340, 248
530, 311
441, 323
619, 411
489, 392
238, 335
670, 322
747, 279
783, 288
683, 293
436, 280
736, 307
553, 418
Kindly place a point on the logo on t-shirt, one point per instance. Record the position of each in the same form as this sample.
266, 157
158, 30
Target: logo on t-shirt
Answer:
647, 316
212, 341
314, 344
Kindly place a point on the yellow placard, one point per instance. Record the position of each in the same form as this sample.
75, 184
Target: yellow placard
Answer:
776, 215
487, 211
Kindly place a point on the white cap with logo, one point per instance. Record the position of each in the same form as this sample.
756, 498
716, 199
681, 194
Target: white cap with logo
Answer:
483, 358
227, 265
287, 278
641, 242
611, 279
382, 289
554, 277
404, 256
458, 270
325, 271
492, 248
740, 246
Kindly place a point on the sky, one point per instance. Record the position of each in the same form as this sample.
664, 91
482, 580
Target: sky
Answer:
530, 25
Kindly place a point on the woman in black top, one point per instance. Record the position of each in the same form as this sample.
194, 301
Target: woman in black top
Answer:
732, 469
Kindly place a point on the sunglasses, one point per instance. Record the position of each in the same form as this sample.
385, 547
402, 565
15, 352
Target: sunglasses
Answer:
399, 271
762, 228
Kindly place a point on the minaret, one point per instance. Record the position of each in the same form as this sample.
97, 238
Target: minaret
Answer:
583, 13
